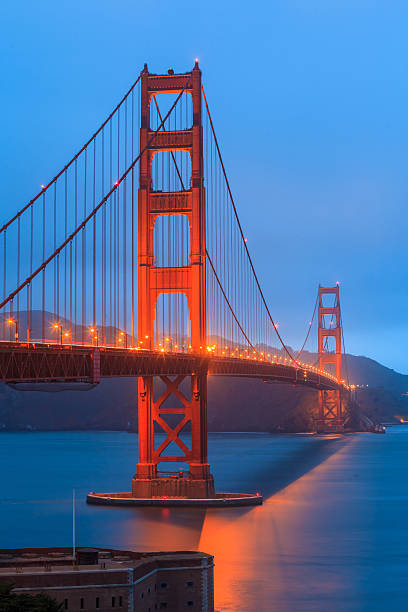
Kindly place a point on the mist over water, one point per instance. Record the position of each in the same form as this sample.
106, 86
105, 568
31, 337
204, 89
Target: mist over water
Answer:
332, 533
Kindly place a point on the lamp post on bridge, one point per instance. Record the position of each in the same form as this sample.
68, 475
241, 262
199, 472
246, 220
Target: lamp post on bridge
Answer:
59, 326
10, 322
95, 335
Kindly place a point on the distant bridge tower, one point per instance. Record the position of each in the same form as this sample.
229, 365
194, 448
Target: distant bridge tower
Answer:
330, 415
187, 279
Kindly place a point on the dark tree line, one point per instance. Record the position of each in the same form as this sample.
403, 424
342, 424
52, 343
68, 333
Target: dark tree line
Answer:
17, 602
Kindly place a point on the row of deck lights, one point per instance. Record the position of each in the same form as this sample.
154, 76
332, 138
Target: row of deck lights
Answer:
237, 352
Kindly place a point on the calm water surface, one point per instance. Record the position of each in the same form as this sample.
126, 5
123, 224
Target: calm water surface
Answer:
331, 536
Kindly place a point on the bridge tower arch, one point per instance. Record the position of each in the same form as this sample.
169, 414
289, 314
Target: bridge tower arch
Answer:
187, 279
330, 411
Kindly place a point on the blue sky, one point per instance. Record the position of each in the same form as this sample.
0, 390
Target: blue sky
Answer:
309, 100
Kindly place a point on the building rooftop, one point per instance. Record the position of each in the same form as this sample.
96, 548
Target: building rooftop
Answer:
40, 560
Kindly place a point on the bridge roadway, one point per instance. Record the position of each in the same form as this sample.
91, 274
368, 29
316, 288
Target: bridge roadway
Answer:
40, 362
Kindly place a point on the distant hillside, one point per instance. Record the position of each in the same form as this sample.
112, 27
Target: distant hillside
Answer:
234, 404
366, 371
42, 326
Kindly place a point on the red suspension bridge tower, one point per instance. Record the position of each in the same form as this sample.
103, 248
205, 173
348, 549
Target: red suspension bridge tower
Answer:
330, 414
188, 280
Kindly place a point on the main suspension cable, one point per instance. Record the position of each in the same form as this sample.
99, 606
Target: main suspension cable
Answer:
95, 210
56, 177
242, 233
309, 329
206, 250
344, 351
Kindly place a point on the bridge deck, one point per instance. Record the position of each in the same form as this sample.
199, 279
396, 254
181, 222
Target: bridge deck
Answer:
39, 362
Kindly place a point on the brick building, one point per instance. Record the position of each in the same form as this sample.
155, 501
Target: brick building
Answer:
104, 579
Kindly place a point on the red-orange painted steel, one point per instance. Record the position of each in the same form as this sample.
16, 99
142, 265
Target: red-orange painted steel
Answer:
189, 280
330, 417
42, 362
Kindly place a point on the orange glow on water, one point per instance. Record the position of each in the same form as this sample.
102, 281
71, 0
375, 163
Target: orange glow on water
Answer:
256, 550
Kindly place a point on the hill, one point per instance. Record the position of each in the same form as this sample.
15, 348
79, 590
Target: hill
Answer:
234, 404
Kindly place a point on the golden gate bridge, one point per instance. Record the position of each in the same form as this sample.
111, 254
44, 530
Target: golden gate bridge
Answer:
132, 261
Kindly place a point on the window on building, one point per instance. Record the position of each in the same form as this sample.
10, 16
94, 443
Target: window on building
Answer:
120, 602
141, 595
81, 603
189, 584
190, 604
163, 604
97, 603
65, 604
113, 602
163, 585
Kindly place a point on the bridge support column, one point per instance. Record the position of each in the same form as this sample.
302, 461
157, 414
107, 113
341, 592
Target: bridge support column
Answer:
191, 414
330, 418
188, 411
146, 467
330, 414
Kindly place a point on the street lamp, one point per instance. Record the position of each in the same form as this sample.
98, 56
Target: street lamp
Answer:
58, 326
95, 335
123, 336
10, 322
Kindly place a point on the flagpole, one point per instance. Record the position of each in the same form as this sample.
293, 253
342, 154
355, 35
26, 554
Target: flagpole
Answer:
73, 524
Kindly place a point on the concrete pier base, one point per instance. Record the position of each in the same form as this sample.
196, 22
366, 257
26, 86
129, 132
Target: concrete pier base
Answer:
173, 487
329, 426
220, 500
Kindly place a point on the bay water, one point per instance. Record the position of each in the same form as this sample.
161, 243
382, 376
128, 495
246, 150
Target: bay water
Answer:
331, 536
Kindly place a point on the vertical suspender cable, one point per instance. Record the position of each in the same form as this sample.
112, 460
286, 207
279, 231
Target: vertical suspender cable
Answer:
18, 268
103, 266
65, 250
94, 239
125, 226
5, 276
83, 297
31, 263
111, 200
132, 228
75, 332
55, 246
43, 273
114, 264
